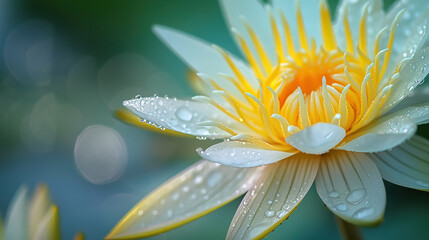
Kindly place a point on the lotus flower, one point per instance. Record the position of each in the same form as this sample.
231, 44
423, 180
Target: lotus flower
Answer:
35, 219
315, 100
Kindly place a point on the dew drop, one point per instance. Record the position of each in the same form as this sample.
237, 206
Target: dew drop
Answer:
175, 196
341, 207
269, 213
356, 196
281, 213
173, 122
203, 131
184, 114
140, 212
333, 194
214, 179
169, 213
198, 179
185, 189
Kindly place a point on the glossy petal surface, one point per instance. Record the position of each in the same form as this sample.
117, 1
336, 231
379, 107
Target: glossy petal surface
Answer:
198, 190
355, 8
201, 56
407, 164
255, 15
16, 224
241, 154
39, 206
48, 226
351, 187
382, 135
310, 14
274, 197
411, 75
419, 114
317, 139
179, 115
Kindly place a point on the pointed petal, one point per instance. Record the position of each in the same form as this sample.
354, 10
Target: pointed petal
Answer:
79, 236
383, 134
48, 228
375, 20
241, 154
256, 16
411, 75
195, 192
407, 164
419, 95
134, 120
16, 225
411, 31
351, 187
317, 139
1, 229
39, 206
179, 115
274, 197
310, 13
201, 56
419, 114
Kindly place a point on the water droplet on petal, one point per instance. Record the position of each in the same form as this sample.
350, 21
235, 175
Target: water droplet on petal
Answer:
341, 207
214, 179
333, 194
184, 114
269, 213
356, 196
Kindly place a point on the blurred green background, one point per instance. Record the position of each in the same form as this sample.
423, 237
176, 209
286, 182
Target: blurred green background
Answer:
67, 65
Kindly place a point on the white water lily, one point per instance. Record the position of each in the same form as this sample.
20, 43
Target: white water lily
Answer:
313, 102
32, 219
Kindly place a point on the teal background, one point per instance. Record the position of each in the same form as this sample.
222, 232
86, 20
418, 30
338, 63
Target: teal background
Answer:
98, 53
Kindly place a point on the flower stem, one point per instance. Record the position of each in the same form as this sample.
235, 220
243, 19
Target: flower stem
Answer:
349, 231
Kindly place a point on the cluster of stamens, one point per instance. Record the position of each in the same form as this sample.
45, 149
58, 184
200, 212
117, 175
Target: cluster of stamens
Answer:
307, 84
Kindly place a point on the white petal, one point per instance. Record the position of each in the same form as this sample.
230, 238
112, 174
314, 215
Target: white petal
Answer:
48, 227
351, 187
355, 8
310, 13
317, 139
256, 16
201, 56
274, 197
419, 114
179, 115
411, 34
411, 75
407, 164
414, 9
16, 224
241, 154
198, 190
381, 135
1, 229
419, 95
39, 206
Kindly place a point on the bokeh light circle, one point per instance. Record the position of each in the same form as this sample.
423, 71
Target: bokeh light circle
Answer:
100, 154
